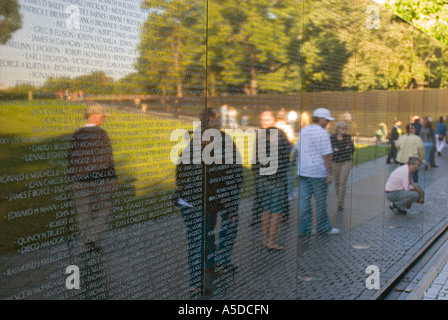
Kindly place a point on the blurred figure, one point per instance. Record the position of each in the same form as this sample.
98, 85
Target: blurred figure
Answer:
417, 125
313, 152
232, 116
429, 141
393, 137
201, 205
92, 174
289, 131
292, 118
305, 119
244, 117
381, 133
410, 145
272, 190
224, 109
441, 136
284, 126
343, 148
267, 120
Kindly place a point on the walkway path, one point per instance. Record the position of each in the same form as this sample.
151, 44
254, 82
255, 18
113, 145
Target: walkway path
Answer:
149, 260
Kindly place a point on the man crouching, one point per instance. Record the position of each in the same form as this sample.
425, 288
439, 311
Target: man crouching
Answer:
401, 190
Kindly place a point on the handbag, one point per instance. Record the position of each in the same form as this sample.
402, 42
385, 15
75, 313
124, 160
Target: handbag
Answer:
440, 137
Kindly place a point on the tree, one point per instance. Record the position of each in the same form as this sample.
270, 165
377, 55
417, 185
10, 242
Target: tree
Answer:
172, 44
431, 16
10, 19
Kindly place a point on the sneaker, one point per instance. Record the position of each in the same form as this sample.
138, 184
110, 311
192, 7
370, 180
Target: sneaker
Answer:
333, 231
394, 208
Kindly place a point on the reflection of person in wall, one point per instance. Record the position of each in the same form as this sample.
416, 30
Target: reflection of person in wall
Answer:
224, 109
393, 137
427, 134
272, 189
401, 190
314, 152
343, 149
440, 136
410, 145
417, 125
92, 174
267, 120
232, 117
207, 190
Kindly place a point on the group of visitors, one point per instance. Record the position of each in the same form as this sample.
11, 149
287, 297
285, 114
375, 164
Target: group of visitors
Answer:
208, 192
416, 147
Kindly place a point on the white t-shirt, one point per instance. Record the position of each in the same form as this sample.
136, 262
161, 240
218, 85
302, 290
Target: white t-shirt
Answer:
314, 143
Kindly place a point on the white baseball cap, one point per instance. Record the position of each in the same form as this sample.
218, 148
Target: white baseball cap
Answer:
322, 113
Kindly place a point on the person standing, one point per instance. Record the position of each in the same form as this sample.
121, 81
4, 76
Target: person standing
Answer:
201, 205
313, 152
440, 136
393, 137
417, 125
91, 170
343, 148
92, 176
272, 189
410, 145
428, 137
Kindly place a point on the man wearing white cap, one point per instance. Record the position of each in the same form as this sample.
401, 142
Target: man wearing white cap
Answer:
314, 152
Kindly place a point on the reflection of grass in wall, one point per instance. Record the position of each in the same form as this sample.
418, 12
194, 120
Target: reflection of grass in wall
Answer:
33, 150
365, 153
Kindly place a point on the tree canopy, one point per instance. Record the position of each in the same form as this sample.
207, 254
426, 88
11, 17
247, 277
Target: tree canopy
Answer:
10, 19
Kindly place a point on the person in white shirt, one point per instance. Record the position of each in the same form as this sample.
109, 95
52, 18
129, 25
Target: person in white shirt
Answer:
313, 152
401, 190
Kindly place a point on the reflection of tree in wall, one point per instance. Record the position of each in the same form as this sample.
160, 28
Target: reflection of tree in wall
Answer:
327, 44
172, 47
251, 55
10, 19
248, 46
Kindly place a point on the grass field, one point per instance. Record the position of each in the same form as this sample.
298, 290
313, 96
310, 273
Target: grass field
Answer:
34, 141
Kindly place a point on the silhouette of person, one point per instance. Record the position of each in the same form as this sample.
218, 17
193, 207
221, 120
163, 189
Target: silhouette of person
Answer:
92, 174
272, 189
217, 194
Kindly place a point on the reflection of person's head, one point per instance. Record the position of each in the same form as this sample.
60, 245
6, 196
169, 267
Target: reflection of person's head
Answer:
281, 115
341, 127
397, 123
322, 117
267, 119
410, 129
210, 119
95, 114
414, 164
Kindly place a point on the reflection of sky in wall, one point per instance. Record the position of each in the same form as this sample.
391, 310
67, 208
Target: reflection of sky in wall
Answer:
72, 38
